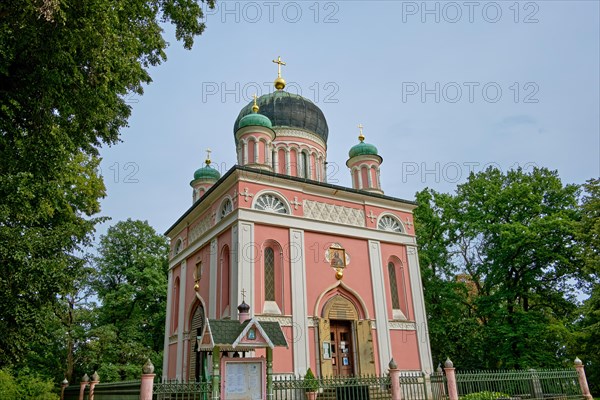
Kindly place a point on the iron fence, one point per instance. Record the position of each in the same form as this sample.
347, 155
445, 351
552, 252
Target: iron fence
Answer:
125, 390
174, 390
414, 386
518, 385
334, 388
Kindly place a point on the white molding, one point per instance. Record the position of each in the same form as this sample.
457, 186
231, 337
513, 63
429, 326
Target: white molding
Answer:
300, 134
381, 318
299, 302
414, 273
401, 325
212, 290
167, 325
180, 324
390, 214
243, 263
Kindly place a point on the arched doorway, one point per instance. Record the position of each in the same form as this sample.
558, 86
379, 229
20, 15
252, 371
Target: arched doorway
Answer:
346, 344
198, 364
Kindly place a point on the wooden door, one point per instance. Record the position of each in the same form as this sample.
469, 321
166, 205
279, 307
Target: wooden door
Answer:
342, 354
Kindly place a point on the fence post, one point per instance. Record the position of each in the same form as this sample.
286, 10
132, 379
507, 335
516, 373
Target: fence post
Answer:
63, 386
269, 373
395, 378
84, 382
147, 383
538, 393
93, 383
585, 390
215, 373
451, 379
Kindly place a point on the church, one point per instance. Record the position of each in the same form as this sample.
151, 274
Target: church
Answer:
336, 267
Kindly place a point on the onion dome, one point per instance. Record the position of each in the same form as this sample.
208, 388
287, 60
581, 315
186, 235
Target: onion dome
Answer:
287, 110
362, 148
243, 308
207, 172
255, 119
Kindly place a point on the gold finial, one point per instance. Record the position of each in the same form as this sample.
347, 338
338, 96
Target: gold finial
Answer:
361, 137
279, 82
208, 151
255, 106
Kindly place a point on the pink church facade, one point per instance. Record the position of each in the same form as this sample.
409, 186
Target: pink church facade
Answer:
336, 267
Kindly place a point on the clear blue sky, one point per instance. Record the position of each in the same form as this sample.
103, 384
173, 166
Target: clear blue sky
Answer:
441, 88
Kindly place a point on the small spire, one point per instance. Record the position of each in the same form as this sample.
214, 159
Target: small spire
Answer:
279, 82
208, 151
361, 137
255, 107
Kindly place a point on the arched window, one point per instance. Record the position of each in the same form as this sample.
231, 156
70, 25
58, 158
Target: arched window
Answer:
304, 167
269, 274
394, 286
398, 291
226, 208
178, 246
175, 302
272, 278
271, 203
389, 223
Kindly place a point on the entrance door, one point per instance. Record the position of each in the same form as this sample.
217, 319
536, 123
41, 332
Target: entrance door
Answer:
341, 347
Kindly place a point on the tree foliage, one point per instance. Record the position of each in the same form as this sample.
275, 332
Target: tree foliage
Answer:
588, 343
66, 68
131, 284
499, 261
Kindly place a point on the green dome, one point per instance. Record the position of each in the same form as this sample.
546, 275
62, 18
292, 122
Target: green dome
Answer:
207, 172
255, 119
363, 149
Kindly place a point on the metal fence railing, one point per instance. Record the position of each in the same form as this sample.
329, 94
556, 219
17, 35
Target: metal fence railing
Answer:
529, 384
334, 388
174, 390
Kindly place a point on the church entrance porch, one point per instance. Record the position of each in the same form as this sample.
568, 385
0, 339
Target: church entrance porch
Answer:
345, 338
342, 355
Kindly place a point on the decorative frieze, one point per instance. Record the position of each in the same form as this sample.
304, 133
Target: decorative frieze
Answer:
333, 213
401, 325
284, 320
199, 229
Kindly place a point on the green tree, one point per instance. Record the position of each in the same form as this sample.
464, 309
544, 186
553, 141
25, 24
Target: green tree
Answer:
131, 284
588, 348
504, 245
66, 69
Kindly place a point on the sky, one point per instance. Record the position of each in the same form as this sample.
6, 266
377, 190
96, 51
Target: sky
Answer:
442, 88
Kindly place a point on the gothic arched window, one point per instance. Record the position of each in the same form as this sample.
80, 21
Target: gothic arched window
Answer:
269, 274
271, 203
398, 290
394, 286
389, 223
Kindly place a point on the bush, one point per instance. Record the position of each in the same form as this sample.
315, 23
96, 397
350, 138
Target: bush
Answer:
25, 387
485, 396
311, 384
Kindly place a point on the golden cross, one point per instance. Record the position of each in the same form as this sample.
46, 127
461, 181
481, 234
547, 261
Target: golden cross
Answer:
360, 126
279, 64
243, 295
255, 106
208, 151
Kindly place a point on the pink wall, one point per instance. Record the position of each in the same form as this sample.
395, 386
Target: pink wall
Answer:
172, 361
405, 349
320, 275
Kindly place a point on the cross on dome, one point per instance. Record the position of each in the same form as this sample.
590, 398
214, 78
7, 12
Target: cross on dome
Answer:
279, 82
